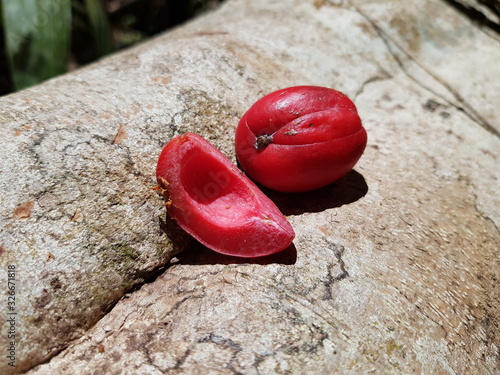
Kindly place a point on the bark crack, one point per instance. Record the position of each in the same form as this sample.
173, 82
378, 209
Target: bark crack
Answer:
338, 250
402, 57
377, 78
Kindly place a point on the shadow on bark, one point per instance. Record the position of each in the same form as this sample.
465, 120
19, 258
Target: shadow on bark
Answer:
347, 190
199, 254
483, 12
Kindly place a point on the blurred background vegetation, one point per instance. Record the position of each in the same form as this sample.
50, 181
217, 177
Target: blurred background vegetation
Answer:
40, 39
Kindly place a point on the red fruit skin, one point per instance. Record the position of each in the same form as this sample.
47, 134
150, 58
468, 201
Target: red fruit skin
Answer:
211, 199
300, 138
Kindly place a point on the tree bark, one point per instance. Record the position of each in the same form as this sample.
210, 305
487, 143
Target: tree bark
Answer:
394, 269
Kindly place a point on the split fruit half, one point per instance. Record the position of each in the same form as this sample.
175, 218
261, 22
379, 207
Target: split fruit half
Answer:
211, 199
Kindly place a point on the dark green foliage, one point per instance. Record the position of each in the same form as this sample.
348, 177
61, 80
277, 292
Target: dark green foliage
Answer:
40, 39
37, 37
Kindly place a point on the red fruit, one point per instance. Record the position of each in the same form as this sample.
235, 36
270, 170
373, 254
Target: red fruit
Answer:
300, 138
216, 203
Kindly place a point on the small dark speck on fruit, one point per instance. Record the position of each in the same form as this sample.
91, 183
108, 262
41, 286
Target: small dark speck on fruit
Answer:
263, 141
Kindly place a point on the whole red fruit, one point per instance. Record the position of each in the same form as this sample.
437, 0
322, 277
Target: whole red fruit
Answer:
300, 138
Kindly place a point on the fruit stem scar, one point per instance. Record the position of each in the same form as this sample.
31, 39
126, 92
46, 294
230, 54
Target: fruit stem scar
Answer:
263, 141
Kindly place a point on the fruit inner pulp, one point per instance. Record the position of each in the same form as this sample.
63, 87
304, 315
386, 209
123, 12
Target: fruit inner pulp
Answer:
218, 192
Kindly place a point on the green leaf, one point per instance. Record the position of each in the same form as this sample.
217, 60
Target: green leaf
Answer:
100, 26
38, 34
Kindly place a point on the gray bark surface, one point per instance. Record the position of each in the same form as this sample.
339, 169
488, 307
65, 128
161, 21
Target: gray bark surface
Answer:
394, 269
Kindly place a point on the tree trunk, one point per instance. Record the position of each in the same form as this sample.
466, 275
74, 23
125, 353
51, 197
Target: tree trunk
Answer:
394, 268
